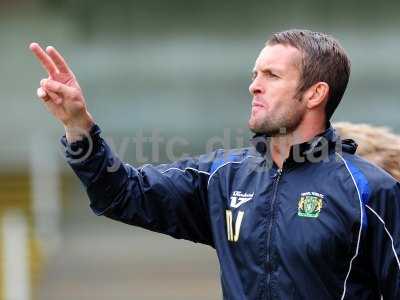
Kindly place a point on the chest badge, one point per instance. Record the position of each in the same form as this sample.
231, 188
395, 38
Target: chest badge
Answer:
310, 205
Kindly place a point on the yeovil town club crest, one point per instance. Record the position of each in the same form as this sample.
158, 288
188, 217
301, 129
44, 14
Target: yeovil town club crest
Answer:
310, 205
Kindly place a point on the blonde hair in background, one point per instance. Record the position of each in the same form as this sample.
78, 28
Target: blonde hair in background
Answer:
378, 145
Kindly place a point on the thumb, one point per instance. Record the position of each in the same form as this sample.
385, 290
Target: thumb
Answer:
47, 96
53, 86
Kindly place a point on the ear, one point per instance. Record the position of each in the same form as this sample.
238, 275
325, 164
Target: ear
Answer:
317, 94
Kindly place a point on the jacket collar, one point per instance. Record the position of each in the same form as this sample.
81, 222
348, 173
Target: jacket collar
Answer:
316, 148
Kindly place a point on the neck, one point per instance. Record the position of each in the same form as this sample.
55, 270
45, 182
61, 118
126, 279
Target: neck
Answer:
280, 145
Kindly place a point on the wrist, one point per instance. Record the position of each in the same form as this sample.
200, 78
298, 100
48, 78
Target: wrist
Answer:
78, 130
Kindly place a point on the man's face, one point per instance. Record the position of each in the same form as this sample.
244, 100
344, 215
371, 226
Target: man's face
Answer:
276, 107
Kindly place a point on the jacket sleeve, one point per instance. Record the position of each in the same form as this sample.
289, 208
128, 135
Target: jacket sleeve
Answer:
169, 198
383, 238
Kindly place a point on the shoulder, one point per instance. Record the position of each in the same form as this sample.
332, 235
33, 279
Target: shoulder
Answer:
366, 173
208, 163
224, 157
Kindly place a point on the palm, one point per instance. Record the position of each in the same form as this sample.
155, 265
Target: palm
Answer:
70, 106
65, 78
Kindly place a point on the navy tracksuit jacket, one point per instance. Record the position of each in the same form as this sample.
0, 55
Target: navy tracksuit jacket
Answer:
315, 229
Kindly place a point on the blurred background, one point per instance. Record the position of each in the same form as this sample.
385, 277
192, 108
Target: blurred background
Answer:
178, 68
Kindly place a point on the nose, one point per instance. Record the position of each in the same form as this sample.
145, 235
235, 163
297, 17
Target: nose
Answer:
255, 87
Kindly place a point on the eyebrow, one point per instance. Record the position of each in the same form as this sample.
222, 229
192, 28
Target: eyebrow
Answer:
267, 70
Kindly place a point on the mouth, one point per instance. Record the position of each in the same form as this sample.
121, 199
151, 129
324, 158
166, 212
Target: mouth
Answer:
257, 104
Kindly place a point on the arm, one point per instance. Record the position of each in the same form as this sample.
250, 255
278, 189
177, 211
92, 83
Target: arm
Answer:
383, 239
170, 198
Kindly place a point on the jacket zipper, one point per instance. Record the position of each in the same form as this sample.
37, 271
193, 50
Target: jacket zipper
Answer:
278, 176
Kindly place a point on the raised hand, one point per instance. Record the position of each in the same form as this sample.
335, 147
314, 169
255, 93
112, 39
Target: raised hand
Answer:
61, 93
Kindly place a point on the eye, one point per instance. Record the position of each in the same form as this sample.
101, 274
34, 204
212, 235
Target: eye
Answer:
253, 76
271, 75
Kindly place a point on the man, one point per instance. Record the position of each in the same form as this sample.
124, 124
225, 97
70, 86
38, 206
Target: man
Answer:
298, 216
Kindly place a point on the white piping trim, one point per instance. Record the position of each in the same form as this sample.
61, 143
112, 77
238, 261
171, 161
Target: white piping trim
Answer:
387, 231
144, 166
207, 173
223, 165
360, 230
184, 170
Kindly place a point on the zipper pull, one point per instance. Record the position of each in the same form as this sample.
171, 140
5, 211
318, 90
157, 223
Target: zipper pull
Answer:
278, 173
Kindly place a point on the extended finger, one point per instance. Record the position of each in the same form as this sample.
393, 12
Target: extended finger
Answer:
58, 60
44, 58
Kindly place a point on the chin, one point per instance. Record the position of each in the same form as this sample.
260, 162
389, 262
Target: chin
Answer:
253, 126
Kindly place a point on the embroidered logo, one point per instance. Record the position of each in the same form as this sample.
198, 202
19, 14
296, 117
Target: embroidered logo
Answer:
238, 198
310, 205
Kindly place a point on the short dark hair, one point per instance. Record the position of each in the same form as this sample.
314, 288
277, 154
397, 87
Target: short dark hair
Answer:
323, 59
